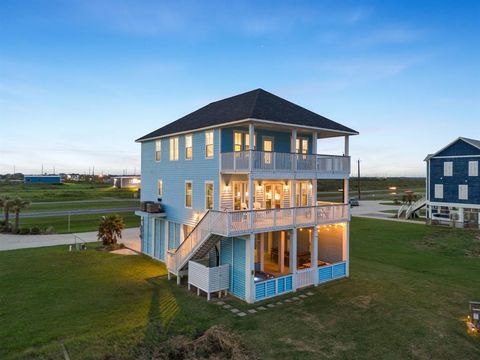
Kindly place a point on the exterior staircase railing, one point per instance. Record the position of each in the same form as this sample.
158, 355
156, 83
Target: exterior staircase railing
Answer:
414, 207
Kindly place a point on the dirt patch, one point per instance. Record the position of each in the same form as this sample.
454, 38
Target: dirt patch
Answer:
214, 344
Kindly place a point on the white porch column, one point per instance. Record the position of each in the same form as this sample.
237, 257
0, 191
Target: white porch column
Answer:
314, 181
251, 132
346, 151
294, 148
293, 193
346, 246
314, 257
314, 143
250, 269
293, 257
346, 191
282, 252
261, 252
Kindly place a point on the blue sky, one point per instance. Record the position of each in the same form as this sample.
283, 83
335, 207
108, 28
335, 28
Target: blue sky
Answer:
80, 80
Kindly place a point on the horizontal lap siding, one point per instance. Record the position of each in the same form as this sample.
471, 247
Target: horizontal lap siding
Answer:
450, 183
175, 173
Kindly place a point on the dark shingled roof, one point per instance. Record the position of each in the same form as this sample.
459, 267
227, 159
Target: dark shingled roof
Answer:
255, 104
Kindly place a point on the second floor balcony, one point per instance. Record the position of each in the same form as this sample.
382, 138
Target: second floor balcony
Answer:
283, 164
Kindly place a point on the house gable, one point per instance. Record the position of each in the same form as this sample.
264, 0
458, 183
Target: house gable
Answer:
460, 147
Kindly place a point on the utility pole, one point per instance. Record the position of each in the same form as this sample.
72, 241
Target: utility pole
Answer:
358, 179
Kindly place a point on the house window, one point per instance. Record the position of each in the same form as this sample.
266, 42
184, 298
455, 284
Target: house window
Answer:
188, 194
462, 192
438, 191
188, 147
301, 146
238, 141
448, 168
209, 144
241, 141
209, 195
302, 193
174, 148
473, 168
158, 150
160, 187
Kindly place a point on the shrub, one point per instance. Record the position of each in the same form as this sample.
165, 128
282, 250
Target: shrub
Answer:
24, 231
49, 230
35, 230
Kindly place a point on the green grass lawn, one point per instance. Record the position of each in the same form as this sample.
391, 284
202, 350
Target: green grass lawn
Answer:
78, 223
64, 192
406, 299
81, 205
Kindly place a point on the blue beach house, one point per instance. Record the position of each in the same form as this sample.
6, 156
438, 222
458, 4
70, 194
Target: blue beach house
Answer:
229, 197
453, 184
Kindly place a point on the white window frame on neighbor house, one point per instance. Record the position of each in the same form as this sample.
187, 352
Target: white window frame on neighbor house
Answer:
174, 148
448, 168
191, 193
160, 187
188, 146
462, 192
158, 150
438, 191
473, 168
212, 196
209, 144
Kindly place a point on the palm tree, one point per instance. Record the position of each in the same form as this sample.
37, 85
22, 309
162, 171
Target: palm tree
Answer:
5, 204
110, 229
18, 205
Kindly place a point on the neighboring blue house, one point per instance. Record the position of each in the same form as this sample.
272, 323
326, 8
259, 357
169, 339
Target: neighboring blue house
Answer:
42, 179
241, 218
453, 184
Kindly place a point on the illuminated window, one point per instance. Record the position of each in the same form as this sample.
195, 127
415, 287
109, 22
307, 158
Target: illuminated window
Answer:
158, 150
209, 144
238, 141
188, 194
174, 148
188, 147
160, 187
209, 195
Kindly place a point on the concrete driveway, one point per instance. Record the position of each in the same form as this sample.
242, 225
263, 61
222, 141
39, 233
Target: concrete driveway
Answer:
373, 209
131, 239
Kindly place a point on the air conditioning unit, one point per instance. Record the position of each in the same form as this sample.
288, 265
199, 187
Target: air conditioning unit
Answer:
153, 208
144, 204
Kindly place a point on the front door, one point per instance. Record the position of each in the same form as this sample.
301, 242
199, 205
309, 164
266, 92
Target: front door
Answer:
240, 195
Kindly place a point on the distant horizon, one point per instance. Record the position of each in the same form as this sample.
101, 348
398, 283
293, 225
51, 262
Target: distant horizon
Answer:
80, 81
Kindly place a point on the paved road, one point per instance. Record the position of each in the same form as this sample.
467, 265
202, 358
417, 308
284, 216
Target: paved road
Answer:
76, 212
130, 238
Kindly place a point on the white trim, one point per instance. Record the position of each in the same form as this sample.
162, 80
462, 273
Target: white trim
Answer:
473, 168
185, 194
205, 194
454, 157
160, 142
213, 144
448, 168
450, 144
459, 205
185, 146
170, 150
226, 124
463, 192
438, 188
158, 182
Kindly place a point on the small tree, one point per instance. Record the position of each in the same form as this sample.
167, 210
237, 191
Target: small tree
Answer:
5, 204
110, 229
18, 205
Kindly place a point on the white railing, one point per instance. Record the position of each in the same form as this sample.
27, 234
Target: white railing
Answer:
239, 161
305, 277
234, 223
265, 219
